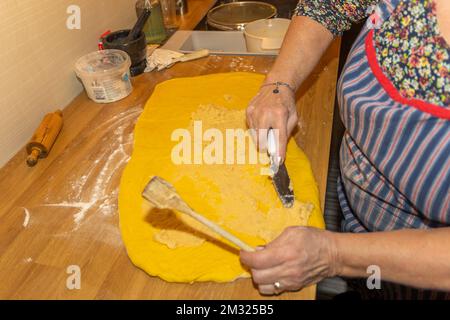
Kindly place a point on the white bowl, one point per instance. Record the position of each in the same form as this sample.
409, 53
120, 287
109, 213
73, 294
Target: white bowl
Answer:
266, 35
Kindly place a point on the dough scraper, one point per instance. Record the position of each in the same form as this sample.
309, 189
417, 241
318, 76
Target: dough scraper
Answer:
280, 176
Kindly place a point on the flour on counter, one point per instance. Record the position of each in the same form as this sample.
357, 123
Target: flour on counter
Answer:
26, 220
238, 64
91, 188
28, 260
83, 208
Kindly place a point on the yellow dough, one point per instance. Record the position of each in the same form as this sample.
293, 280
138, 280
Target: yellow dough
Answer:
175, 247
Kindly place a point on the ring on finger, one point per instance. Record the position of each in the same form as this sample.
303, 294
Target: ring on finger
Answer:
277, 287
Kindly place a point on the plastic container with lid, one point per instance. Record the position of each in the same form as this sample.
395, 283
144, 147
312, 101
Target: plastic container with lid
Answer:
105, 75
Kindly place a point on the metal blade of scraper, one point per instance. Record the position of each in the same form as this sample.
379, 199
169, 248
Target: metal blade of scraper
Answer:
282, 184
280, 178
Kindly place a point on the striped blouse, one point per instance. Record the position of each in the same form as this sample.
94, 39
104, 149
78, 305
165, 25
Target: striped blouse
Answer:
395, 154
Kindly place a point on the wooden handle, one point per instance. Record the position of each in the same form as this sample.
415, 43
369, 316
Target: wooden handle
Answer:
219, 230
195, 55
163, 195
33, 157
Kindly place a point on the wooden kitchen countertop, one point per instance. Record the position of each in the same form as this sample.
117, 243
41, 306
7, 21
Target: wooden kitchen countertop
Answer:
63, 212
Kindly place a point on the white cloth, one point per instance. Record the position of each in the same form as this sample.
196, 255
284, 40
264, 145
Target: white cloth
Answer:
161, 58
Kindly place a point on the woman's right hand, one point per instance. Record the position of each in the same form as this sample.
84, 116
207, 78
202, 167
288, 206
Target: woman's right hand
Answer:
273, 110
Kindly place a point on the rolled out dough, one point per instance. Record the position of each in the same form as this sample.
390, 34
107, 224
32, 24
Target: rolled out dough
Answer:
175, 247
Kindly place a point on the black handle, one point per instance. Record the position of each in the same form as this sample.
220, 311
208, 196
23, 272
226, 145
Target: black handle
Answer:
137, 29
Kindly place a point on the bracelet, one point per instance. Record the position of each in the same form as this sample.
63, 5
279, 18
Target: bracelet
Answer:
278, 84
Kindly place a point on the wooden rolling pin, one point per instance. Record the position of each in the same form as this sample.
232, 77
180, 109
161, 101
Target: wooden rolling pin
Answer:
44, 137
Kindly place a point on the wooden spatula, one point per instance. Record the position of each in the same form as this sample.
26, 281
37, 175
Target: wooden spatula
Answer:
190, 56
164, 196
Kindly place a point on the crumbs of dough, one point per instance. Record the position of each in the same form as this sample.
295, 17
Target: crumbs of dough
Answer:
219, 117
174, 239
280, 218
243, 200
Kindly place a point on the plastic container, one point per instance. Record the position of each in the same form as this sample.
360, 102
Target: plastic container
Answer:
105, 75
266, 35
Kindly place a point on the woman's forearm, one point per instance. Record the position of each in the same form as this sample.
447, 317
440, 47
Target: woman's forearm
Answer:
304, 45
418, 258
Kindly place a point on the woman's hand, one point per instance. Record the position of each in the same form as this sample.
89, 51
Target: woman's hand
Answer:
277, 111
303, 46
299, 257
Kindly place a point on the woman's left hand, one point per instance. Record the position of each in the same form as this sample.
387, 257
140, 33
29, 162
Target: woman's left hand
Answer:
299, 257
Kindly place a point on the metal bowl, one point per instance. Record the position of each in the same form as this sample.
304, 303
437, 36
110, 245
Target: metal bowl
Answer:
235, 15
